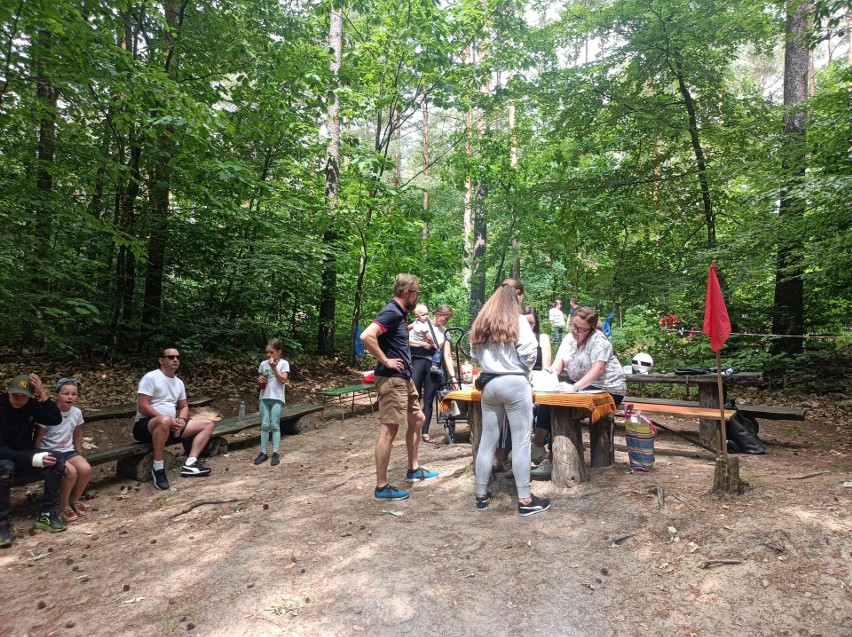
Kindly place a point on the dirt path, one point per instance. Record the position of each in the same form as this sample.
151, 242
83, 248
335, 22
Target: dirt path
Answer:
305, 550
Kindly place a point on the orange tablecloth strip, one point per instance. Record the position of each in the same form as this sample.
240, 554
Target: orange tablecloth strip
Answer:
598, 405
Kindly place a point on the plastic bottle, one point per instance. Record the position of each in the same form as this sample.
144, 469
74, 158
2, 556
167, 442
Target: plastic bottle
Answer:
242, 408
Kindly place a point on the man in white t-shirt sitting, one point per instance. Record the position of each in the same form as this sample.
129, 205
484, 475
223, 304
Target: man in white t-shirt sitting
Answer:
557, 320
162, 416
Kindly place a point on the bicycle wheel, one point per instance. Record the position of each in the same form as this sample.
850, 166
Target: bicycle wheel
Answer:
463, 344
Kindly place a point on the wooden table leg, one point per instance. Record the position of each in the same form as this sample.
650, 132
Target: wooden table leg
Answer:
569, 466
474, 422
600, 442
709, 431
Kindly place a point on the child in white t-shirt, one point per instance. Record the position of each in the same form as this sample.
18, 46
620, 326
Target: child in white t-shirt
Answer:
66, 440
273, 375
420, 326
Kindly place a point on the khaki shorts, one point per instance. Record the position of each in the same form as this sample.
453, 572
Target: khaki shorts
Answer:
397, 399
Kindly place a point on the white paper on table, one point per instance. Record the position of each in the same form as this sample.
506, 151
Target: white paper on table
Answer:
543, 381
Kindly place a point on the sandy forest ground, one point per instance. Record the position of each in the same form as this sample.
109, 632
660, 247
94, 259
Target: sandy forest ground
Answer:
303, 549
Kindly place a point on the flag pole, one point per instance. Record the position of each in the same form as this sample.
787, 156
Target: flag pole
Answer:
722, 404
717, 325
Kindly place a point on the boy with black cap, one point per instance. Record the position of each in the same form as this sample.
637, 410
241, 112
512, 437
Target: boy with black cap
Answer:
19, 411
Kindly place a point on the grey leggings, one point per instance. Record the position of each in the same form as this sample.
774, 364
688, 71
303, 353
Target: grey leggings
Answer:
506, 396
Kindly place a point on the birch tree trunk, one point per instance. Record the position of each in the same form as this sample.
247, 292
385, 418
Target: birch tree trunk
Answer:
328, 306
424, 108
468, 189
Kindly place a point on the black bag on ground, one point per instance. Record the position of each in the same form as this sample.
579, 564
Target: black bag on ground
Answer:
742, 432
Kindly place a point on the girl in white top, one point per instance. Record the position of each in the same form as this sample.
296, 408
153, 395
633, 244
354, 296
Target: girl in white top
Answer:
66, 440
273, 375
505, 346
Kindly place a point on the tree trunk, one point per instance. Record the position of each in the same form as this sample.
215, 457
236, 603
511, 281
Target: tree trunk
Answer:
467, 264
160, 188
480, 234
709, 431
426, 170
569, 466
788, 313
726, 478
328, 294
46, 99
700, 162
8, 47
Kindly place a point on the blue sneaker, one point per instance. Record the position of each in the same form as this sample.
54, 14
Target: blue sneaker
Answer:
420, 474
389, 492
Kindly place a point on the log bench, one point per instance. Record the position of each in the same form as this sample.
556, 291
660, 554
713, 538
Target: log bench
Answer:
350, 390
134, 460
128, 410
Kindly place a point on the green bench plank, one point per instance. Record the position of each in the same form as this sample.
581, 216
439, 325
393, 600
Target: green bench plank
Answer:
340, 391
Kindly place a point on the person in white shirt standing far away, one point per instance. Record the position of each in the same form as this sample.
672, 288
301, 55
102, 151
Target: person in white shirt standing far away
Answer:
557, 320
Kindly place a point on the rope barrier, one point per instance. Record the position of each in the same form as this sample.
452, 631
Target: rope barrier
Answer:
683, 332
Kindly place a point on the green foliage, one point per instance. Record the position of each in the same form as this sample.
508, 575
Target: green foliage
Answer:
604, 201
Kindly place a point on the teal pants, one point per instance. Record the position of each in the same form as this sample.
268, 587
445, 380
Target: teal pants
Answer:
270, 421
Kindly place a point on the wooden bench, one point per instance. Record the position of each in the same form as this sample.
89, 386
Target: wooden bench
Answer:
340, 392
134, 459
128, 410
708, 394
705, 413
766, 412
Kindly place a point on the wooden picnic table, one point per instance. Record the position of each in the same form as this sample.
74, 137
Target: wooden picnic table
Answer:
708, 394
567, 414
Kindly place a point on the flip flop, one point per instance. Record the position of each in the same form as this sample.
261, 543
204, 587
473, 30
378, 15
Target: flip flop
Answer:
427, 438
69, 515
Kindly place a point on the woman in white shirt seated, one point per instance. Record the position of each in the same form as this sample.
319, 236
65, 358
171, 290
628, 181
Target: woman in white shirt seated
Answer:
588, 358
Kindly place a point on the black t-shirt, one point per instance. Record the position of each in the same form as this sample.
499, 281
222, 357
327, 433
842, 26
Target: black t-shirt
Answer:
17, 426
393, 341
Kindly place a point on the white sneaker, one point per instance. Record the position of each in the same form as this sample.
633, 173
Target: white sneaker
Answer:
543, 470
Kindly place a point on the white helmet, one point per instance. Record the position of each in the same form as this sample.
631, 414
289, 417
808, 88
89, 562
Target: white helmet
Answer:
642, 363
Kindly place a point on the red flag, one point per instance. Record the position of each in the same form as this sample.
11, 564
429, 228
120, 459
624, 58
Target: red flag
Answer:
717, 325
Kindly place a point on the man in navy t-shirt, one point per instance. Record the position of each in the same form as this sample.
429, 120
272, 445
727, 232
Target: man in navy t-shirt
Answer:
386, 339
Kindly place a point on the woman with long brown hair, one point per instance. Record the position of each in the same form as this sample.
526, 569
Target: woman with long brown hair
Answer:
506, 348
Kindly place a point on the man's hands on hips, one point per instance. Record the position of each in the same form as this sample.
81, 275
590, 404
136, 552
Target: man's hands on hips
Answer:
396, 364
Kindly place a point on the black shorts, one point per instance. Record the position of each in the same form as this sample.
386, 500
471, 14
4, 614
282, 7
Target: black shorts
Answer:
142, 434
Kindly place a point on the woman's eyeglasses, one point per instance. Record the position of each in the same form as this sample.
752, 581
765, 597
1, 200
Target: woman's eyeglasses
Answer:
580, 330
